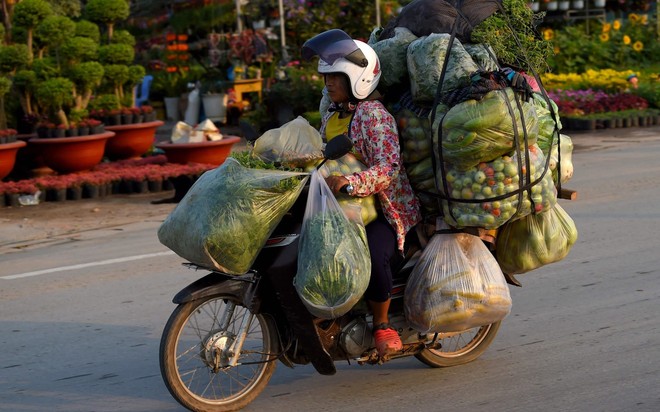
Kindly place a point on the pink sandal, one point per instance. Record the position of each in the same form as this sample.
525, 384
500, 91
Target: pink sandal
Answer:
387, 340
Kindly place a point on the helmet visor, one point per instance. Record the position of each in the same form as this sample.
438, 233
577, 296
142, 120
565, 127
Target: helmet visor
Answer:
332, 45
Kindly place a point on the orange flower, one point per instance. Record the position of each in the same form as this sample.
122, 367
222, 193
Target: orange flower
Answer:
607, 27
626, 39
616, 25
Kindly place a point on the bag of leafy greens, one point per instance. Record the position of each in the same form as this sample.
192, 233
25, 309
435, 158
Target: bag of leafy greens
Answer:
296, 144
334, 265
226, 217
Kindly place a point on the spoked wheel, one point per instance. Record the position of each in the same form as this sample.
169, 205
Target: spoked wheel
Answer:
457, 348
215, 355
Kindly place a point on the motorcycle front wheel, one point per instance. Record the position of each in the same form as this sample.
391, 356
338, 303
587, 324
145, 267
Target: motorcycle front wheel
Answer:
215, 355
457, 348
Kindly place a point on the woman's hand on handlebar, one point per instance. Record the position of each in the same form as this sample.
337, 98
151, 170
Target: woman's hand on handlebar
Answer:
336, 183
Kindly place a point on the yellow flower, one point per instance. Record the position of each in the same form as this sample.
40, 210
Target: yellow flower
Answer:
548, 34
626, 39
633, 17
556, 50
604, 37
638, 46
607, 27
616, 25
644, 19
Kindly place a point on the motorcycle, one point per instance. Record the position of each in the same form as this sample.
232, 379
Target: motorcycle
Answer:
221, 344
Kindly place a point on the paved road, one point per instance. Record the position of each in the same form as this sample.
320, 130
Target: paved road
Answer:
81, 312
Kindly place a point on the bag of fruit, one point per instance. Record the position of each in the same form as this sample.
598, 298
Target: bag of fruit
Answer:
455, 285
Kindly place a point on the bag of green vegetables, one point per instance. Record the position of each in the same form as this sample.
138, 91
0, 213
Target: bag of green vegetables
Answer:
226, 217
334, 265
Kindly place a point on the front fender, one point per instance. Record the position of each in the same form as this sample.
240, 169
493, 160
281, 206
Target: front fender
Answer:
212, 284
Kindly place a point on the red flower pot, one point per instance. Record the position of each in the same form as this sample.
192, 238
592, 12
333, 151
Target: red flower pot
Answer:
8, 156
212, 152
131, 140
72, 154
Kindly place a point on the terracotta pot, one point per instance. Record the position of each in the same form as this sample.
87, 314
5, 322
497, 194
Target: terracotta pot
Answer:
72, 154
213, 153
8, 156
131, 140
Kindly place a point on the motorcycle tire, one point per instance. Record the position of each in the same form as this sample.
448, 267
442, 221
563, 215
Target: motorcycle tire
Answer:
196, 353
458, 348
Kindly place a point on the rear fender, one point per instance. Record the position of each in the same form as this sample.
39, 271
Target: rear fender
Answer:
214, 284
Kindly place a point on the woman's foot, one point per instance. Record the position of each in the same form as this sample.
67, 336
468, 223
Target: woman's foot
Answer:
387, 340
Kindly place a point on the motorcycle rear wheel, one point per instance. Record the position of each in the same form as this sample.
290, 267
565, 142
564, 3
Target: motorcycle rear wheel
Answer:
458, 348
196, 352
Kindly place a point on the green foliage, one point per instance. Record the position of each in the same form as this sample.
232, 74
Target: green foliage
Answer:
87, 75
29, 13
5, 86
55, 93
514, 38
116, 54
25, 79
116, 74
300, 89
54, 30
135, 75
85, 28
206, 18
78, 49
69, 8
105, 102
45, 68
106, 11
13, 57
123, 37
76, 115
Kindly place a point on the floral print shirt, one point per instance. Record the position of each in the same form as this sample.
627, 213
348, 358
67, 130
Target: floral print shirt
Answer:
376, 141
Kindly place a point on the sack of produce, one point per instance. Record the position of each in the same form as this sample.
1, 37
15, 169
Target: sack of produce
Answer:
456, 285
565, 164
482, 186
426, 61
546, 135
334, 265
226, 217
392, 55
295, 144
477, 131
347, 165
415, 134
535, 240
483, 55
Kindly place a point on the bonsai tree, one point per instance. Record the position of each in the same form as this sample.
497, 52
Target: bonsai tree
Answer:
107, 12
86, 77
27, 15
55, 95
5, 86
52, 32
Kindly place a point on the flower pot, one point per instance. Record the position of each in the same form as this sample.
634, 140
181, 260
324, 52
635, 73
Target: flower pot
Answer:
71, 154
535, 6
90, 191
172, 108
74, 193
83, 131
113, 119
131, 140
599, 3
8, 157
578, 4
215, 106
71, 132
551, 6
57, 132
213, 152
564, 5
155, 185
127, 118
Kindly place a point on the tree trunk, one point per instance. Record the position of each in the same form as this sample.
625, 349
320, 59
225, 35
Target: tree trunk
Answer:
29, 46
3, 116
62, 117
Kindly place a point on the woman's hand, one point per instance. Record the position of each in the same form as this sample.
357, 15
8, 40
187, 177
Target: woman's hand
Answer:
336, 182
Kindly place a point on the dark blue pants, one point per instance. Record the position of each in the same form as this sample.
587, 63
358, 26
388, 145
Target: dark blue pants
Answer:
385, 258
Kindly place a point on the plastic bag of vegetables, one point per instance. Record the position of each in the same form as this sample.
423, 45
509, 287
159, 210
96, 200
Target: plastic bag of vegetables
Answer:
488, 195
477, 131
426, 60
226, 217
483, 55
334, 265
295, 144
392, 55
535, 240
344, 166
456, 285
546, 135
565, 164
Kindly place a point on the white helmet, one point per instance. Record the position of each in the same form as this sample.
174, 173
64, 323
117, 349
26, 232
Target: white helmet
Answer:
339, 53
